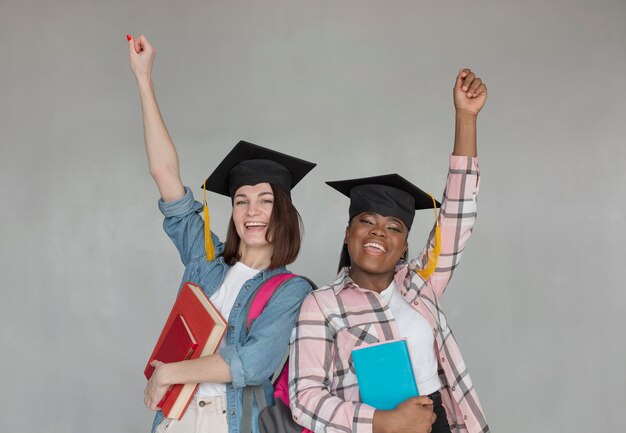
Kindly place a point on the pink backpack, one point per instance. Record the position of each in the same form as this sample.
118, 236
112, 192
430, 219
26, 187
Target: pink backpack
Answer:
277, 418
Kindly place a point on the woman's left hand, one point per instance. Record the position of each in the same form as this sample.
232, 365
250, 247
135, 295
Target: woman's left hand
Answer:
155, 389
470, 93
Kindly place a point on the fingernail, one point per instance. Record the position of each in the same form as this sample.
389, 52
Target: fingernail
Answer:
128, 37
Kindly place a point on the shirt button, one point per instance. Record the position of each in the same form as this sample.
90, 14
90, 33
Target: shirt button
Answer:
231, 327
443, 359
238, 304
453, 389
415, 303
224, 411
434, 330
232, 411
465, 417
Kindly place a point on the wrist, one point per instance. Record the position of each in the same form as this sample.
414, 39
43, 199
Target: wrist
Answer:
144, 81
464, 115
164, 376
380, 421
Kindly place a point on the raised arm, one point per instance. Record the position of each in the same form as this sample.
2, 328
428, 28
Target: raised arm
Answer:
458, 207
162, 156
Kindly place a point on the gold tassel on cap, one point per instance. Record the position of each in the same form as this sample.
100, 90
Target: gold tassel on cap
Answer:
433, 256
208, 241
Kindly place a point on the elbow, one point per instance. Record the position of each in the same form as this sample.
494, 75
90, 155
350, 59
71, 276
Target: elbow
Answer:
255, 374
253, 380
298, 415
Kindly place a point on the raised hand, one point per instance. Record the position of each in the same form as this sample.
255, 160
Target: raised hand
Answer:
470, 93
142, 55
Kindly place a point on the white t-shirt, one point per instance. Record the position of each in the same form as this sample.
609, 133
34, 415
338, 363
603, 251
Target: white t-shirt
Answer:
224, 299
419, 337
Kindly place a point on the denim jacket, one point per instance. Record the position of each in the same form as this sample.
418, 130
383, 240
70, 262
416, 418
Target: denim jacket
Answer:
252, 356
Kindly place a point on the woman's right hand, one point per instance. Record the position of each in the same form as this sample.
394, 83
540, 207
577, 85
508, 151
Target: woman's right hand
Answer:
142, 56
414, 415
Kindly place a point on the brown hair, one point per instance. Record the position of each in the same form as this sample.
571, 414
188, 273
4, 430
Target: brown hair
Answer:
284, 233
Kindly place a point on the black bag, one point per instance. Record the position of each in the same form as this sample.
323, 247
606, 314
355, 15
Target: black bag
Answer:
272, 419
278, 419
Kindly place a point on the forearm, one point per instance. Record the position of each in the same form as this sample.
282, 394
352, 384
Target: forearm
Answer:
210, 368
465, 134
456, 220
162, 156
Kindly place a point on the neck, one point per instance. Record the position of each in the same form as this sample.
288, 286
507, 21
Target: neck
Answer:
374, 282
256, 258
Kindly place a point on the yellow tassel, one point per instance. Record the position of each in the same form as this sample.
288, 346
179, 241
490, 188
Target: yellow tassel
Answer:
433, 256
208, 241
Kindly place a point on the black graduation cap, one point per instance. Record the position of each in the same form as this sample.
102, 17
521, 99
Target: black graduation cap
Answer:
388, 195
250, 164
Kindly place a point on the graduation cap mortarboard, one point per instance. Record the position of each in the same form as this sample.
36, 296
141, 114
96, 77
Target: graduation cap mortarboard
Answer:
250, 164
391, 195
388, 195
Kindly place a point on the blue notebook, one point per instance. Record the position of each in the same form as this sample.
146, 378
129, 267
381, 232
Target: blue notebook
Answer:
384, 373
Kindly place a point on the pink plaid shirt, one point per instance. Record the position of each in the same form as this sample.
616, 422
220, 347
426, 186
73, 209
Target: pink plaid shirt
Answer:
335, 319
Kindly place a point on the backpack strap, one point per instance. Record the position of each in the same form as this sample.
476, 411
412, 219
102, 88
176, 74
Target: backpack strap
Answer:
262, 296
251, 393
259, 301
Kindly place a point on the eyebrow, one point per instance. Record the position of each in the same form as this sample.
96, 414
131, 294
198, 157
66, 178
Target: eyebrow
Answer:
391, 218
259, 195
397, 221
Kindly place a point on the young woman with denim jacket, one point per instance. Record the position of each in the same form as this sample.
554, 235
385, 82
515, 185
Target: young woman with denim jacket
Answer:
246, 356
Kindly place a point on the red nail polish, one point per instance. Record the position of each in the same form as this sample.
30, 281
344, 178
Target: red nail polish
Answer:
128, 37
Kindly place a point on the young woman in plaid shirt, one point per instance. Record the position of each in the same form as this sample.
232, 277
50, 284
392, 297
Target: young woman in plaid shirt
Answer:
368, 302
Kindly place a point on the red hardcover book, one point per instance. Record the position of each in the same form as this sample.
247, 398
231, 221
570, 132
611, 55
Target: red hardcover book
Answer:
207, 326
177, 345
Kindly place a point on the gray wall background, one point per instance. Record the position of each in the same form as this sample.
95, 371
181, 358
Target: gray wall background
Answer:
361, 87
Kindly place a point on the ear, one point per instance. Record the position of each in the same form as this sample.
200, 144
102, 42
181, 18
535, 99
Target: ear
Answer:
347, 235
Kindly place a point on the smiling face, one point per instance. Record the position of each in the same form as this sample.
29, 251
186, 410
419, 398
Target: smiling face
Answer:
252, 212
375, 243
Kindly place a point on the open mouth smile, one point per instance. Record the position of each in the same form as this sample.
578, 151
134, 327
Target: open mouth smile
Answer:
374, 247
251, 225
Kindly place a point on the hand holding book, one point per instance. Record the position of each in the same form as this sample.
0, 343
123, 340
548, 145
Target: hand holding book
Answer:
193, 330
414, 415
155, 389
